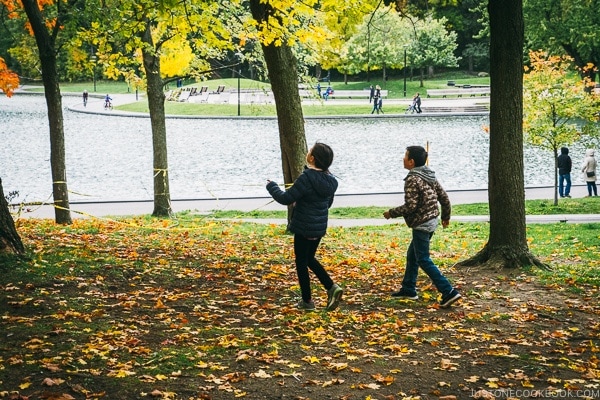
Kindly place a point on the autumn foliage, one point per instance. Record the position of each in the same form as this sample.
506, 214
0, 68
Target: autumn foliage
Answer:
9, 81
200, 309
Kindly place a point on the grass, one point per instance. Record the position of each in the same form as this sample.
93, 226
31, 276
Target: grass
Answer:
139, 305
588, 205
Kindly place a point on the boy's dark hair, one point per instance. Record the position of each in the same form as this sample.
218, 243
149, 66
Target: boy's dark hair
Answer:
323, 155
418, 154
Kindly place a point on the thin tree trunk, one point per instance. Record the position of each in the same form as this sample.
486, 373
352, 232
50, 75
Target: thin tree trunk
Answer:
9, 238
507, 245
156, 105
46, 47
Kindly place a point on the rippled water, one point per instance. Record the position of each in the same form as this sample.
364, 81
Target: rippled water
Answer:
110, 158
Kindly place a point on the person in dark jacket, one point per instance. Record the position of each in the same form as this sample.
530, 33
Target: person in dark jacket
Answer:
417, 103
422, 193
312, 195
564, 172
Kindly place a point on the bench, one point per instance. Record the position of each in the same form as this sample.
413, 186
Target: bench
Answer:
348, 94
482, 91
339, 94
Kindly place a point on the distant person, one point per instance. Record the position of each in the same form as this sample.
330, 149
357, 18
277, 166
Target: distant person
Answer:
327, 93
312, 195
589, 172
107, 101
319, 89
417, 103
371, 93
564, 172
85, 98
422, 193
376, 97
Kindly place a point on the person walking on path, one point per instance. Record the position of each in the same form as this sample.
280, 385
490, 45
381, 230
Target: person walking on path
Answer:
85, 98
417, 102
380, 105
420, 211
376, 97
371, 93
589, 172
312, 195
564, 172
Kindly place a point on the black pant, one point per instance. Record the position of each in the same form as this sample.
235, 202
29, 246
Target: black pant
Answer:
305, 250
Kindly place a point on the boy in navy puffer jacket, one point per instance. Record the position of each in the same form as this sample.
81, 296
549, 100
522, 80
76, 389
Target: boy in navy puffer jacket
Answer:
312, 195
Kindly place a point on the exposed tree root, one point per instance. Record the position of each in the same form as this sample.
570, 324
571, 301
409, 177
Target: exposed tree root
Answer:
502, 257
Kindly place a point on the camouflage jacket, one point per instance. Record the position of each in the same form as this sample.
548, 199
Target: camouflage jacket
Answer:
422, 192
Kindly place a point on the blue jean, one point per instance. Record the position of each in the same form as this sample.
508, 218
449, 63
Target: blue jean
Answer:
591, 187
418, 256
562, 190
305, 250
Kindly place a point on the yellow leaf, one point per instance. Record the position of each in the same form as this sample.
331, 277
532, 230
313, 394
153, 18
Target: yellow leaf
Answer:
24, 385
311, 359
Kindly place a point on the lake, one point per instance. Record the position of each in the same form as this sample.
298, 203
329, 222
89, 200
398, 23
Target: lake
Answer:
109, 158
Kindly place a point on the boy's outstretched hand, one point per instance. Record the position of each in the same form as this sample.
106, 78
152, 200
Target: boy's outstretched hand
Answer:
387, 215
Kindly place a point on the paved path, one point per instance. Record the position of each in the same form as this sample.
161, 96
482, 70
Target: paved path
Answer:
105, 209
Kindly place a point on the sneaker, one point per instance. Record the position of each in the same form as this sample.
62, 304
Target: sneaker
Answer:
568, 195
405, 294
308, 306
334, 295
450, 298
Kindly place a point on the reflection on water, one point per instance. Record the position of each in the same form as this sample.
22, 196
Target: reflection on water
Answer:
110, 158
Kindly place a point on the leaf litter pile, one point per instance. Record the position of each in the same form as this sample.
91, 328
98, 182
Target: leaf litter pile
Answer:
142, 309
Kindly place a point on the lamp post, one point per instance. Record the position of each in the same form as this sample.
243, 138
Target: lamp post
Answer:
240, 58
404, 70
95, 61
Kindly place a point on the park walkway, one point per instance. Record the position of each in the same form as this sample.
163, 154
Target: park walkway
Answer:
248, 204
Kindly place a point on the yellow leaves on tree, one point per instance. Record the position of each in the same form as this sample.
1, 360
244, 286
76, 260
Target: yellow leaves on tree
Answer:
555, 101
176, 57
9, 81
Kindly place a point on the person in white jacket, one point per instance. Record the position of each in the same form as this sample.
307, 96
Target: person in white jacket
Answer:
589, 172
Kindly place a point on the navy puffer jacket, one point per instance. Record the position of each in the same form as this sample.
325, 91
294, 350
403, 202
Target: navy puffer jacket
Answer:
312, 193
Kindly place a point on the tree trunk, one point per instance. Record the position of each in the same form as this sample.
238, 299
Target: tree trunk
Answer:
283, 75
156, 106
9, 238
507, 245
46, 47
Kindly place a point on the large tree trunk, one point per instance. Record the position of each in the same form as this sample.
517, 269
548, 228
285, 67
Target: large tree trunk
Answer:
46, 47
156, 105
9, 238
507, 245
283, 75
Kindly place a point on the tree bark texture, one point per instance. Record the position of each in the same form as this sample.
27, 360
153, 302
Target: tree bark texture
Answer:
9, 238
156, 105
507, 245
283, 76
46, 47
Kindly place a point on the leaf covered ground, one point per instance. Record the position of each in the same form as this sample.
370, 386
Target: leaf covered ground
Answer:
201, 309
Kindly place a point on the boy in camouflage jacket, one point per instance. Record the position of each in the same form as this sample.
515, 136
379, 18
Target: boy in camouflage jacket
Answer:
422, 193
